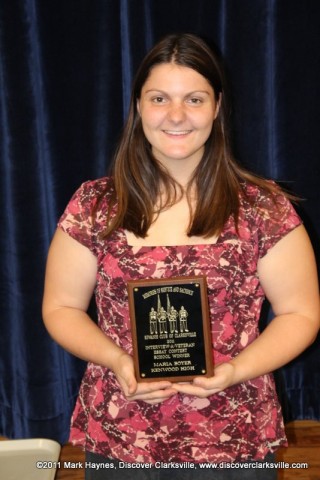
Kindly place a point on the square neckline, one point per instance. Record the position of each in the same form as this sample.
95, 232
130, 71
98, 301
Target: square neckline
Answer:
169, 247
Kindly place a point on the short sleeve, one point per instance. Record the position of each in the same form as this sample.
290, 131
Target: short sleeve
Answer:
276, 217
77, 219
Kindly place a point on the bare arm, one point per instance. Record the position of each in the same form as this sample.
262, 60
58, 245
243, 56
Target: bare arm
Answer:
69, 285
289, 278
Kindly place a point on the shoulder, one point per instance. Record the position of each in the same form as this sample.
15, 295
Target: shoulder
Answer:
90, 194
265, 202
255, 193
93, 189
267, 214
85, 215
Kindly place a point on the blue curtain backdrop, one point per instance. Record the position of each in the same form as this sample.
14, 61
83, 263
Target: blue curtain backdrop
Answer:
65, 74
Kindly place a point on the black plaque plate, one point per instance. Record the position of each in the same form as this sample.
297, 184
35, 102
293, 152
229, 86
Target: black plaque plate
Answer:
170, 329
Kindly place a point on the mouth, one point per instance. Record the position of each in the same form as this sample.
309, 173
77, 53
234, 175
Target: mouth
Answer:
176, 133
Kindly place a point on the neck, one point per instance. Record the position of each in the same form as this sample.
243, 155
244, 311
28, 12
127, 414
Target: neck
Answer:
180, 172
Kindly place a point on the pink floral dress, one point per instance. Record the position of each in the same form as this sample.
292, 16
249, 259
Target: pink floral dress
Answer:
244, 421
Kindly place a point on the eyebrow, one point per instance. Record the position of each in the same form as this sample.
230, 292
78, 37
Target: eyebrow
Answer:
150, 90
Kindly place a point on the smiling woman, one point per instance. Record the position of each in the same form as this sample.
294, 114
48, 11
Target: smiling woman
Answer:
178, 205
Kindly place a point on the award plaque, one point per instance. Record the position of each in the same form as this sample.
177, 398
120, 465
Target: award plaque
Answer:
170, 329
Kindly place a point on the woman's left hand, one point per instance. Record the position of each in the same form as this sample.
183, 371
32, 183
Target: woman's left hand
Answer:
203, 387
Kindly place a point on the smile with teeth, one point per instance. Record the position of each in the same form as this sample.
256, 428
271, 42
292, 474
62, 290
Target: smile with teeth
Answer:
177, 133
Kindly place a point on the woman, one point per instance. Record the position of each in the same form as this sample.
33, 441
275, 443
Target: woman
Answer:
177, 204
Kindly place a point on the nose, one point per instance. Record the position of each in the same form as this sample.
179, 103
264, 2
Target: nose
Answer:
176, 112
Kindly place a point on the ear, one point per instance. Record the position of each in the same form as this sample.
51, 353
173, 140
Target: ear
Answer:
218, 104
138, 105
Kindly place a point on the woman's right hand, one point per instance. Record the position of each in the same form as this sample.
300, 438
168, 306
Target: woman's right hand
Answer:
149, 392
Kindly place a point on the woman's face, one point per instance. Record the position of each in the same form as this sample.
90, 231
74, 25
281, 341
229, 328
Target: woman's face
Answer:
177, 108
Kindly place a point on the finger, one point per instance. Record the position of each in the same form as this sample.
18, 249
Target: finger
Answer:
195, 390
132, 386
148, 387
207, 383
128, 388
155, 396
155, 401
128, 384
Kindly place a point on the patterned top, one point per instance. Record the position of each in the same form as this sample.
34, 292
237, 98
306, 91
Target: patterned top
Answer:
244, 421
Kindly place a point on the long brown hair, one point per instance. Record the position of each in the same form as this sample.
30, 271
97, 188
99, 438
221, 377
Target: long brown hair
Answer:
218, 180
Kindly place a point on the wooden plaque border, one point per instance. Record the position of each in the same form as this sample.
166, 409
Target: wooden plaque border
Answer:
206, 330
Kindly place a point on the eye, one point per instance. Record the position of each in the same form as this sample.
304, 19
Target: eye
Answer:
158, 99
195, 100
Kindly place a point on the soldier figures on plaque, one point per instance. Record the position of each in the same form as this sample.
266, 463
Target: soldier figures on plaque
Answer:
169, 316
183, 315
172, 316
153, 317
